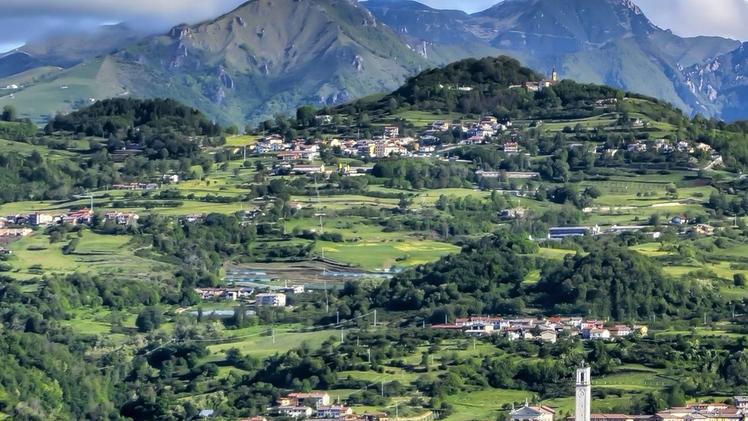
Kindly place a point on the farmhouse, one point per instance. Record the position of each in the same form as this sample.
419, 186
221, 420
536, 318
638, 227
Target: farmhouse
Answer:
271, 300
15, 232
40, 219
309, 169
294, 411
559, 233
314, 399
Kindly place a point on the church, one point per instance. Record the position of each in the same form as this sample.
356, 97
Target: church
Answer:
545, 413
583, 408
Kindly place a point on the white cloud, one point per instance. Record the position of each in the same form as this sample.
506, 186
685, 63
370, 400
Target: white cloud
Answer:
700, 17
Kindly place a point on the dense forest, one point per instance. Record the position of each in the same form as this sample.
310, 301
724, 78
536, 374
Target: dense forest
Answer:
487, 277
162, 128
489, 86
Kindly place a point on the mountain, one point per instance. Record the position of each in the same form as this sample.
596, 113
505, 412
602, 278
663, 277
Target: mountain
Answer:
600, 41
265, 58
722, 84
67, 49
441, 36
260, 59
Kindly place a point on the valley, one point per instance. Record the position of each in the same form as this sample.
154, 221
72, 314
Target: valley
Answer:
449, 250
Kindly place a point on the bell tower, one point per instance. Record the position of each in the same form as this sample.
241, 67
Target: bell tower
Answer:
584, 394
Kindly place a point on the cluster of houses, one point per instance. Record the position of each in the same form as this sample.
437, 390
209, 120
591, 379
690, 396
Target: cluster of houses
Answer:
318, 405
19, 225
21, 222
389, 143
665, 147
249, 295
546, 330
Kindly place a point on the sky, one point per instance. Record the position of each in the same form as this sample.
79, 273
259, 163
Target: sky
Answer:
24, 20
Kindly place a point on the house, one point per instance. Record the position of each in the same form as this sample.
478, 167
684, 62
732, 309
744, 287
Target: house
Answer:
620, 331
271, 300
232, 294
515, 213
704, 229
559, 233
596, 334
309, 169
391, 132
5, 252
638, 147
511, 147
83, 216
679, 220
288, 156
701, 412
549, 336
440, 126
323, 120
206, 413
15, 232
312, 399
294, 411
741, 402
522, 175
40, 219
333, 412
532, 413
121, 218
170, 178
293, 289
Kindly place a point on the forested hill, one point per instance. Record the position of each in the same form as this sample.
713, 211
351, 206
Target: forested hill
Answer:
162, 128
110, 116
493, 85
489, 277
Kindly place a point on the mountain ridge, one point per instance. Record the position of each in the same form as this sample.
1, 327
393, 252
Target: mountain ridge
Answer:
244, 66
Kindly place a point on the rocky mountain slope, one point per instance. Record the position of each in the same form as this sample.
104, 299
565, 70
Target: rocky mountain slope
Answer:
722, 84
602, 41
267, 57
262, 58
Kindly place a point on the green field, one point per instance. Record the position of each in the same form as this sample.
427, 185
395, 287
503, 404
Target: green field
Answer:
104, 254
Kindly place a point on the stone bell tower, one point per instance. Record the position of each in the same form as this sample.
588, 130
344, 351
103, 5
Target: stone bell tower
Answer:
584, 394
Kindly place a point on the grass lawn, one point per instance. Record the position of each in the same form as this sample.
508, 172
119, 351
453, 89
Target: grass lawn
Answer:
103, 254
243, 140
385, 255
263, 346
484, 404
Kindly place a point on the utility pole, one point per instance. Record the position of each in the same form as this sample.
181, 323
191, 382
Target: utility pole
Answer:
368, 351
342, 335
382, 388
337, 317
327, 299
375, 318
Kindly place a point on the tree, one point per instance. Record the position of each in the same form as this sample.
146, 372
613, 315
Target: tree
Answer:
739, 280
148, 319
305, 116
9, 113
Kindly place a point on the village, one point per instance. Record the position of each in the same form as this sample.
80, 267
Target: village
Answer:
319, 405
544, 329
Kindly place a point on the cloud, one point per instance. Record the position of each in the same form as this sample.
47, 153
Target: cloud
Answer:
700, 17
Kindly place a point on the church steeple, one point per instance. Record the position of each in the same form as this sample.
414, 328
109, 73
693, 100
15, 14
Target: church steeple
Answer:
554, 75
584, 394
